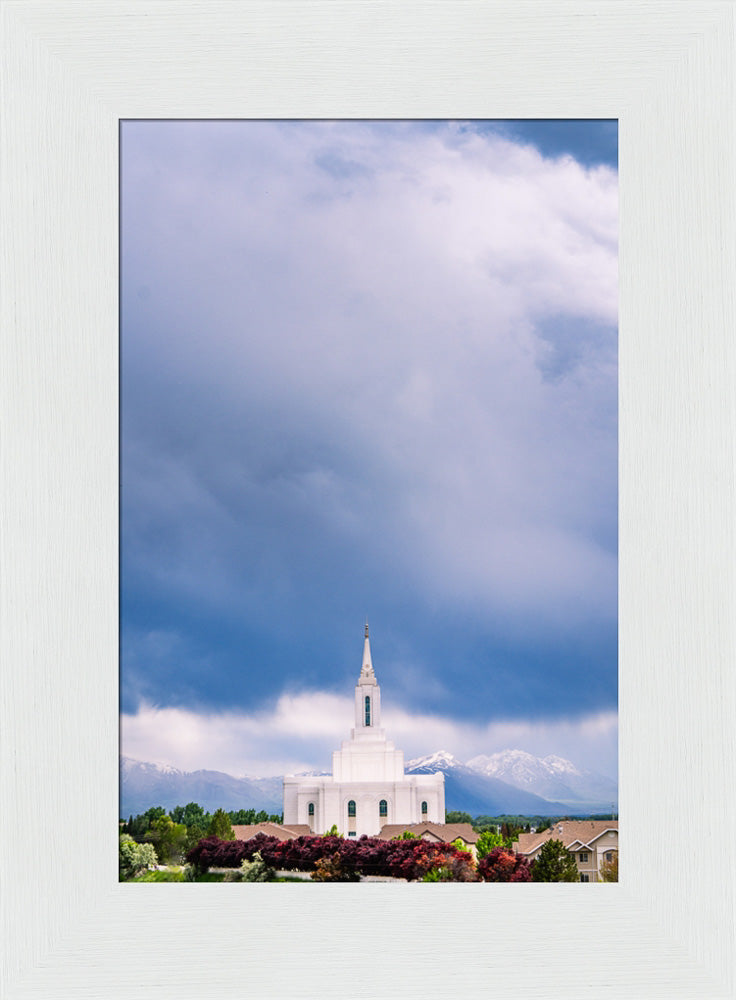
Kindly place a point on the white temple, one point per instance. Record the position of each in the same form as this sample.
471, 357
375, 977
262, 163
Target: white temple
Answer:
367, 788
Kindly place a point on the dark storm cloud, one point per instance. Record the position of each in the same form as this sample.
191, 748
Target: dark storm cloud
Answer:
367, 369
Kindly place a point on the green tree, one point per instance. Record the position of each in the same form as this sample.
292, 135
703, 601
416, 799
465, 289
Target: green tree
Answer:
220, 826
243, 817
195, 833
134, 858
169, 838
487, 840
248, 817
191, 814
454, 816
555, 864
138, 825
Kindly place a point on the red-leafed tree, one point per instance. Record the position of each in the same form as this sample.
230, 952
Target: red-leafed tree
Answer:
212, 852
502, 865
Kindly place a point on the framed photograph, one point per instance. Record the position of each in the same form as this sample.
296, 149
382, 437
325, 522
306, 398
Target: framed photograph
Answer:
72, 74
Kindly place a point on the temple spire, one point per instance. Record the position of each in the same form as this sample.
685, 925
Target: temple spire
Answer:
366, 674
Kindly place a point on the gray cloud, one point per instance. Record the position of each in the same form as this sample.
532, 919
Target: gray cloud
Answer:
353, 349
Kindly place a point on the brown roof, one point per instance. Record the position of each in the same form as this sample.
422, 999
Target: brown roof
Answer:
570, 832
271, 830
444, 832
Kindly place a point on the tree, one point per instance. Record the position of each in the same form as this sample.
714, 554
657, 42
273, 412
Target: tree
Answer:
242, 817
138, 825
169, 838
487, 841
481, 823
134, 858
555, 864
454, 816
609, 869
220, 826
502, 865
212, 852
191, 814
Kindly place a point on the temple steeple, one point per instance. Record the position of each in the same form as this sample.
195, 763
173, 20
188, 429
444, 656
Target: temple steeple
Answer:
366, 673
367, 698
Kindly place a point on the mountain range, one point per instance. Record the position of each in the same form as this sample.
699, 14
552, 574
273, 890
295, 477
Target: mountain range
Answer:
509, 782
143, 785
516, 782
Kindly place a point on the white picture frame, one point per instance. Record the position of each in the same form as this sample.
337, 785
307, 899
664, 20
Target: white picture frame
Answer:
71, 71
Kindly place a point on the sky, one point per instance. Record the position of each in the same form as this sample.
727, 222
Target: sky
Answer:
368, 372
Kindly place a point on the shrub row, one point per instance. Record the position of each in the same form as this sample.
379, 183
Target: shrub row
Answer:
348, 859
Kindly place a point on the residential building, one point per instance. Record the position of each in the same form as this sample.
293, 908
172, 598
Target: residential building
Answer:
438, 833
591, 842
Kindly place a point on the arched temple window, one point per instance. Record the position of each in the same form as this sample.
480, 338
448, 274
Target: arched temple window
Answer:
311, 808
424, 809
383, 808
351, 808
367, 710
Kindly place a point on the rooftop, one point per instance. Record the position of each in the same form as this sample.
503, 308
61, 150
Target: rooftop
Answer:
568, 831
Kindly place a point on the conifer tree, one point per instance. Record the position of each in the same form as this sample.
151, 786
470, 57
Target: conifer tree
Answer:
220, 826
555, 864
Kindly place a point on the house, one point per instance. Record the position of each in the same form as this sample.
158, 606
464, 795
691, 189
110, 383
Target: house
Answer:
245, 832
438, 833
368, 788
590, 841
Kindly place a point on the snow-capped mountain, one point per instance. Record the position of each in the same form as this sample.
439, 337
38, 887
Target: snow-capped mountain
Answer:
441, 760
551, 777
548, 784
522, 766
471, 791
